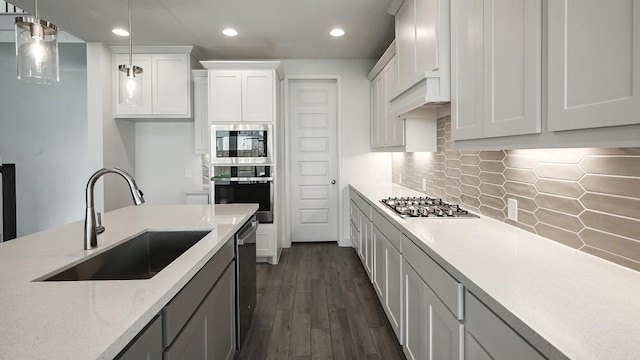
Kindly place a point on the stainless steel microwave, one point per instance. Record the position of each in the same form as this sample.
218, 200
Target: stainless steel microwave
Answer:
241, 144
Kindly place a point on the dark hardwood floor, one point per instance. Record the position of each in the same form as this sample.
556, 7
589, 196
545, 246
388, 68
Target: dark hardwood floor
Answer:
318, 303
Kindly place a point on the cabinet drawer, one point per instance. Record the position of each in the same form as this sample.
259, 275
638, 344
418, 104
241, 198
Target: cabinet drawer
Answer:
180, 308
362, 204
488, 337
388, 230
448, 289
354, 211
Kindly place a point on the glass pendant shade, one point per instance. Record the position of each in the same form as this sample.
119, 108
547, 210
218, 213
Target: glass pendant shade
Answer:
36, 50
130, 85
130, 80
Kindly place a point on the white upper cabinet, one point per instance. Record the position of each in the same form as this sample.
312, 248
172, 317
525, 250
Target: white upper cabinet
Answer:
593, 64
243, 91
200, 111
393, 125
423, 55
496, 68
225, 96
166, 83
258, 93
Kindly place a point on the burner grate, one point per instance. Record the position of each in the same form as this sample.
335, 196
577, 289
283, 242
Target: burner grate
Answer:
425, 207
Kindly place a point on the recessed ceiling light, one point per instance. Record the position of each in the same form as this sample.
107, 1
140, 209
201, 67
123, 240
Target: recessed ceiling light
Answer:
120, 32
229, 32
337, 32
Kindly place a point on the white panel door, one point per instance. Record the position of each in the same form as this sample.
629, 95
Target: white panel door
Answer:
313, 160
393, 290
257, 96
171, 81
201, 114
225, 96
379, 270
594, 62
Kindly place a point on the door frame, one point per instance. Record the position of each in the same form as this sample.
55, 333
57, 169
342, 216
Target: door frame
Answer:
286, 242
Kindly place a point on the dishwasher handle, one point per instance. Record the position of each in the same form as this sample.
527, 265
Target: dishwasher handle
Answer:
247, 235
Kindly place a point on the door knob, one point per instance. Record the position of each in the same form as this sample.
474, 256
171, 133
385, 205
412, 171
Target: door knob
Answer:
333, 181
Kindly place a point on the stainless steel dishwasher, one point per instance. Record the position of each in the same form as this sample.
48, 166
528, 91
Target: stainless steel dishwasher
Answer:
245, 278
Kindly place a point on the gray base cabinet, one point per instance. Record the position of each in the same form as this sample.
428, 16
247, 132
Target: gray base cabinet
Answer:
223, 332
147, 345
209, 334
488, 337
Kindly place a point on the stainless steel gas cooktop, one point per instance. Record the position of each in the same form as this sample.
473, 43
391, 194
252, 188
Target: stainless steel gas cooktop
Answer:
425, 207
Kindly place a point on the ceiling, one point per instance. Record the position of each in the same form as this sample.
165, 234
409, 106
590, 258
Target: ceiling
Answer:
268, 29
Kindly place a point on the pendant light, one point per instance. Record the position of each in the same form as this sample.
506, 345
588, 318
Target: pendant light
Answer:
36, 49
130, 76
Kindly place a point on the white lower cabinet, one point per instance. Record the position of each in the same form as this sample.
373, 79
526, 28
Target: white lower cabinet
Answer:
387, 279
486, 336
266, 243
431, 331
366, 241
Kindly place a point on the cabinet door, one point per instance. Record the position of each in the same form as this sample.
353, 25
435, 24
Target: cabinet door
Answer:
377, 112
265, 241
225, 96
416, 323
366, 241
147, 345
355, 236
427, 30
257, 96
488, 337
467, 69
512, 67
379, 264
171, 84
394, 126
593, 62
496, 68
406, 43
143, 88
431, 331
393, 287
223, 334
201, 114
193, 342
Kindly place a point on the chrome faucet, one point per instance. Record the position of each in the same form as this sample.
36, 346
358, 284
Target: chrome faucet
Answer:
90, 228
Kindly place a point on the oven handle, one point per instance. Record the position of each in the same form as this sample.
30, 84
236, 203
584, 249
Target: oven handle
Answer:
227, 179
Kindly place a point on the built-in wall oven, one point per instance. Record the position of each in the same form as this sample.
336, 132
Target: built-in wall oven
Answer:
251, 184
241, 144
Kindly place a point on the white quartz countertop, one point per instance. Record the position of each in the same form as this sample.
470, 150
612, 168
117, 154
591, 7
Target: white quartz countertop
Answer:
567, 303
97, 319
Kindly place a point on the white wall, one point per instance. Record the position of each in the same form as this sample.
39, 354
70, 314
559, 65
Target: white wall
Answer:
164, 151
43, 130
359, 164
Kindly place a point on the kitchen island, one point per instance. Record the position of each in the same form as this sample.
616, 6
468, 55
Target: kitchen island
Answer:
98, 319
563, 302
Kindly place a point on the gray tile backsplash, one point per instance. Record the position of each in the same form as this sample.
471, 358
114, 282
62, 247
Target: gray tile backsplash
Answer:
588, 199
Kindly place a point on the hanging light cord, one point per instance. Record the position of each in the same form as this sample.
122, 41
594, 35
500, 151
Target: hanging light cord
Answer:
130, 40
37, 12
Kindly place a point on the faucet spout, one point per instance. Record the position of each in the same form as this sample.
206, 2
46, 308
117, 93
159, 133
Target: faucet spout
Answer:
90, 233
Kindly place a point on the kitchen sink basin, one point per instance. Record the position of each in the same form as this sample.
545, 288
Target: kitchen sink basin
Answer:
139, 258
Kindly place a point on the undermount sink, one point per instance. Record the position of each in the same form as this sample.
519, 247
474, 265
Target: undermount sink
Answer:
142, 257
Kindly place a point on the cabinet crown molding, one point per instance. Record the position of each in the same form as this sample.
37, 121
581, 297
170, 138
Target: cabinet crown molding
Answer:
182, 49
244, 65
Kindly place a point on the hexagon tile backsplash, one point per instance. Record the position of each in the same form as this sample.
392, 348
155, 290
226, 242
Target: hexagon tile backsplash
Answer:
588, 199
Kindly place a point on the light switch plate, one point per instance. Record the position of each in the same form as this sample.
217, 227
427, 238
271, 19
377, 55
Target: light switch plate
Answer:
512, 209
